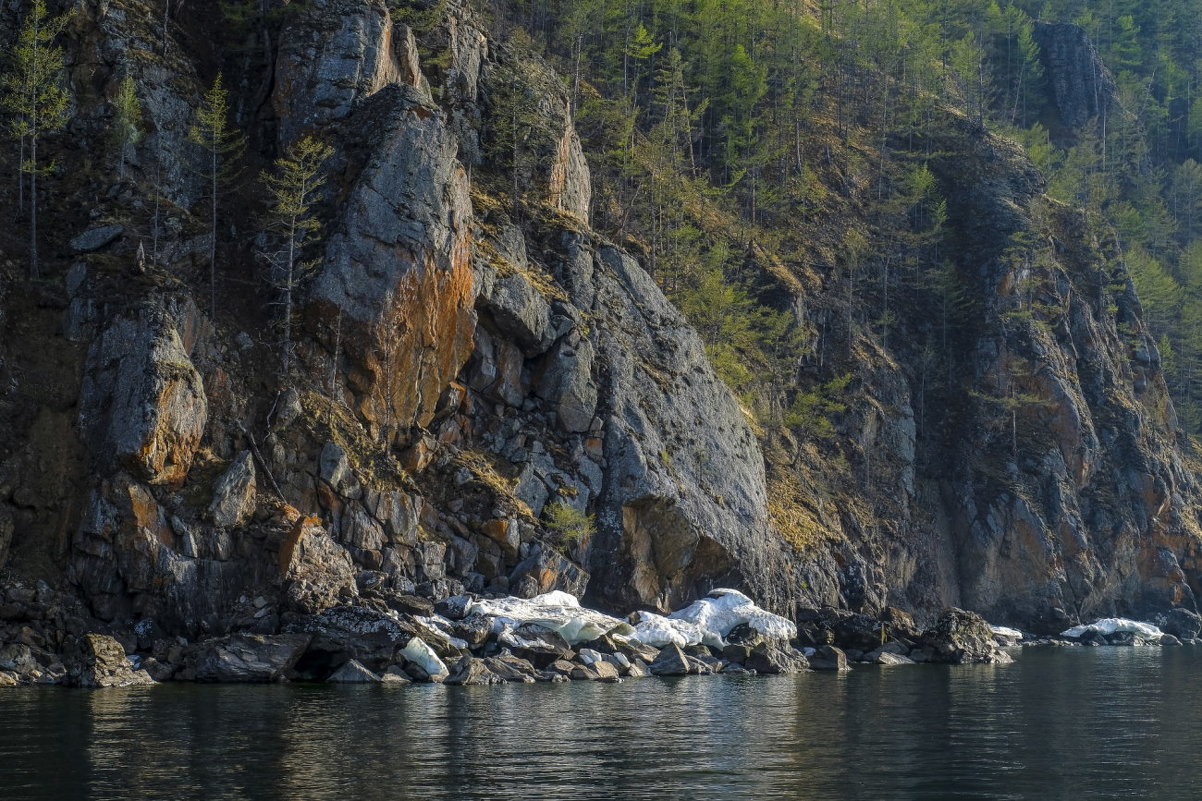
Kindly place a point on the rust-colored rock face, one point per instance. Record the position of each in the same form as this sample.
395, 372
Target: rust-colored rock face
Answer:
571, 188
418, 344
397, 280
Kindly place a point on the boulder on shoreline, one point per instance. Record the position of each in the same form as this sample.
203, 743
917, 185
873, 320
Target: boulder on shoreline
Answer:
353, 672
828, 657
246, 657
98, 660
522, 640
961, 638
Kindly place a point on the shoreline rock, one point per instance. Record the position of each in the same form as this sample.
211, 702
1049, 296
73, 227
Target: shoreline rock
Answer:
468, 640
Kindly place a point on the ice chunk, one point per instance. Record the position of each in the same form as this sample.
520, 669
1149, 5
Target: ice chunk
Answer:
1008, 633
725, 609
1113, 625
422, 655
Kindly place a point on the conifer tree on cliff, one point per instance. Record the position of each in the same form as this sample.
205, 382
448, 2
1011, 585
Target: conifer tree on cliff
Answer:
127, 122
293, 186
31, 91
221, 145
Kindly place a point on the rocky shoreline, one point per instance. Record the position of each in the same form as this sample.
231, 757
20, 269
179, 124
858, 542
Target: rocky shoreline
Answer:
45, 639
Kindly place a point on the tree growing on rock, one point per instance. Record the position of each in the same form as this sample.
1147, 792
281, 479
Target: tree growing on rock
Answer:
221, 145
32, 92
127, 122
293, 186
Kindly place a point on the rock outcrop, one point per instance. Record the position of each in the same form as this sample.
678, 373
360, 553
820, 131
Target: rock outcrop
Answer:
100, 661
1081, 86
396, 288
247, 658
960, 637
143, 406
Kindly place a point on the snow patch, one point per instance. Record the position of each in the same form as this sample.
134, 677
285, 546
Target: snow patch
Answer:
1113, 625
659, 631
1008, 633
707, 621
556, 610
439, 627
725, 609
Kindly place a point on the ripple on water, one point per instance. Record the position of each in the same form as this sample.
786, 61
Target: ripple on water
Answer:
1058, 724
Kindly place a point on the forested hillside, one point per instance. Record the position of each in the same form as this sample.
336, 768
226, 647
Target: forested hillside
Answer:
739, 106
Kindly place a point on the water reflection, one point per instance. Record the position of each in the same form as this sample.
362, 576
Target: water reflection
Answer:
1065, 724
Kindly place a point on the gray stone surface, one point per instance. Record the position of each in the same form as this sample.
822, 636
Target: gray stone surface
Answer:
234, 495
396, 274
960, 637
671, 661
333, 55
353, 672
143, 403
247, 657
96, 238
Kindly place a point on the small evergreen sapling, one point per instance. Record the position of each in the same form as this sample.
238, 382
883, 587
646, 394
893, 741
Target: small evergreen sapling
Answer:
127, 122
221, 145
293, 185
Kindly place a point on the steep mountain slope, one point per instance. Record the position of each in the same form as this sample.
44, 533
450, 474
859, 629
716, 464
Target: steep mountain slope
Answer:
480, 370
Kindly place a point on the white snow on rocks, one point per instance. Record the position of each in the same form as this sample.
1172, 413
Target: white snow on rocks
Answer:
439, 626
659, 631
724, 609
706, 621
1008, 633
556, 610
1113, 625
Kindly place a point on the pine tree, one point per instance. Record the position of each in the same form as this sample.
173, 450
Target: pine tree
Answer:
32, 92
127, 122
222, 145
293, 185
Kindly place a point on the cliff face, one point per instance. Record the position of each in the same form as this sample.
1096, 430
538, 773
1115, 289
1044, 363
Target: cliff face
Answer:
473, 372
1081, 88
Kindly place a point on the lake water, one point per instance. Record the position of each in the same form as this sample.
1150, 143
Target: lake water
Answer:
1078, 723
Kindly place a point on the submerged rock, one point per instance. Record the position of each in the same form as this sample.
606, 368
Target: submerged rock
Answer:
511, 668
472, 671
773, 659
394, 675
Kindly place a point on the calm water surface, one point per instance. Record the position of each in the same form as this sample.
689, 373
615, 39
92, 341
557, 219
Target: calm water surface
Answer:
1059, 724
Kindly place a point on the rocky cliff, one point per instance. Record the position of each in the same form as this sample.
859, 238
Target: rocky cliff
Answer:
492, 397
